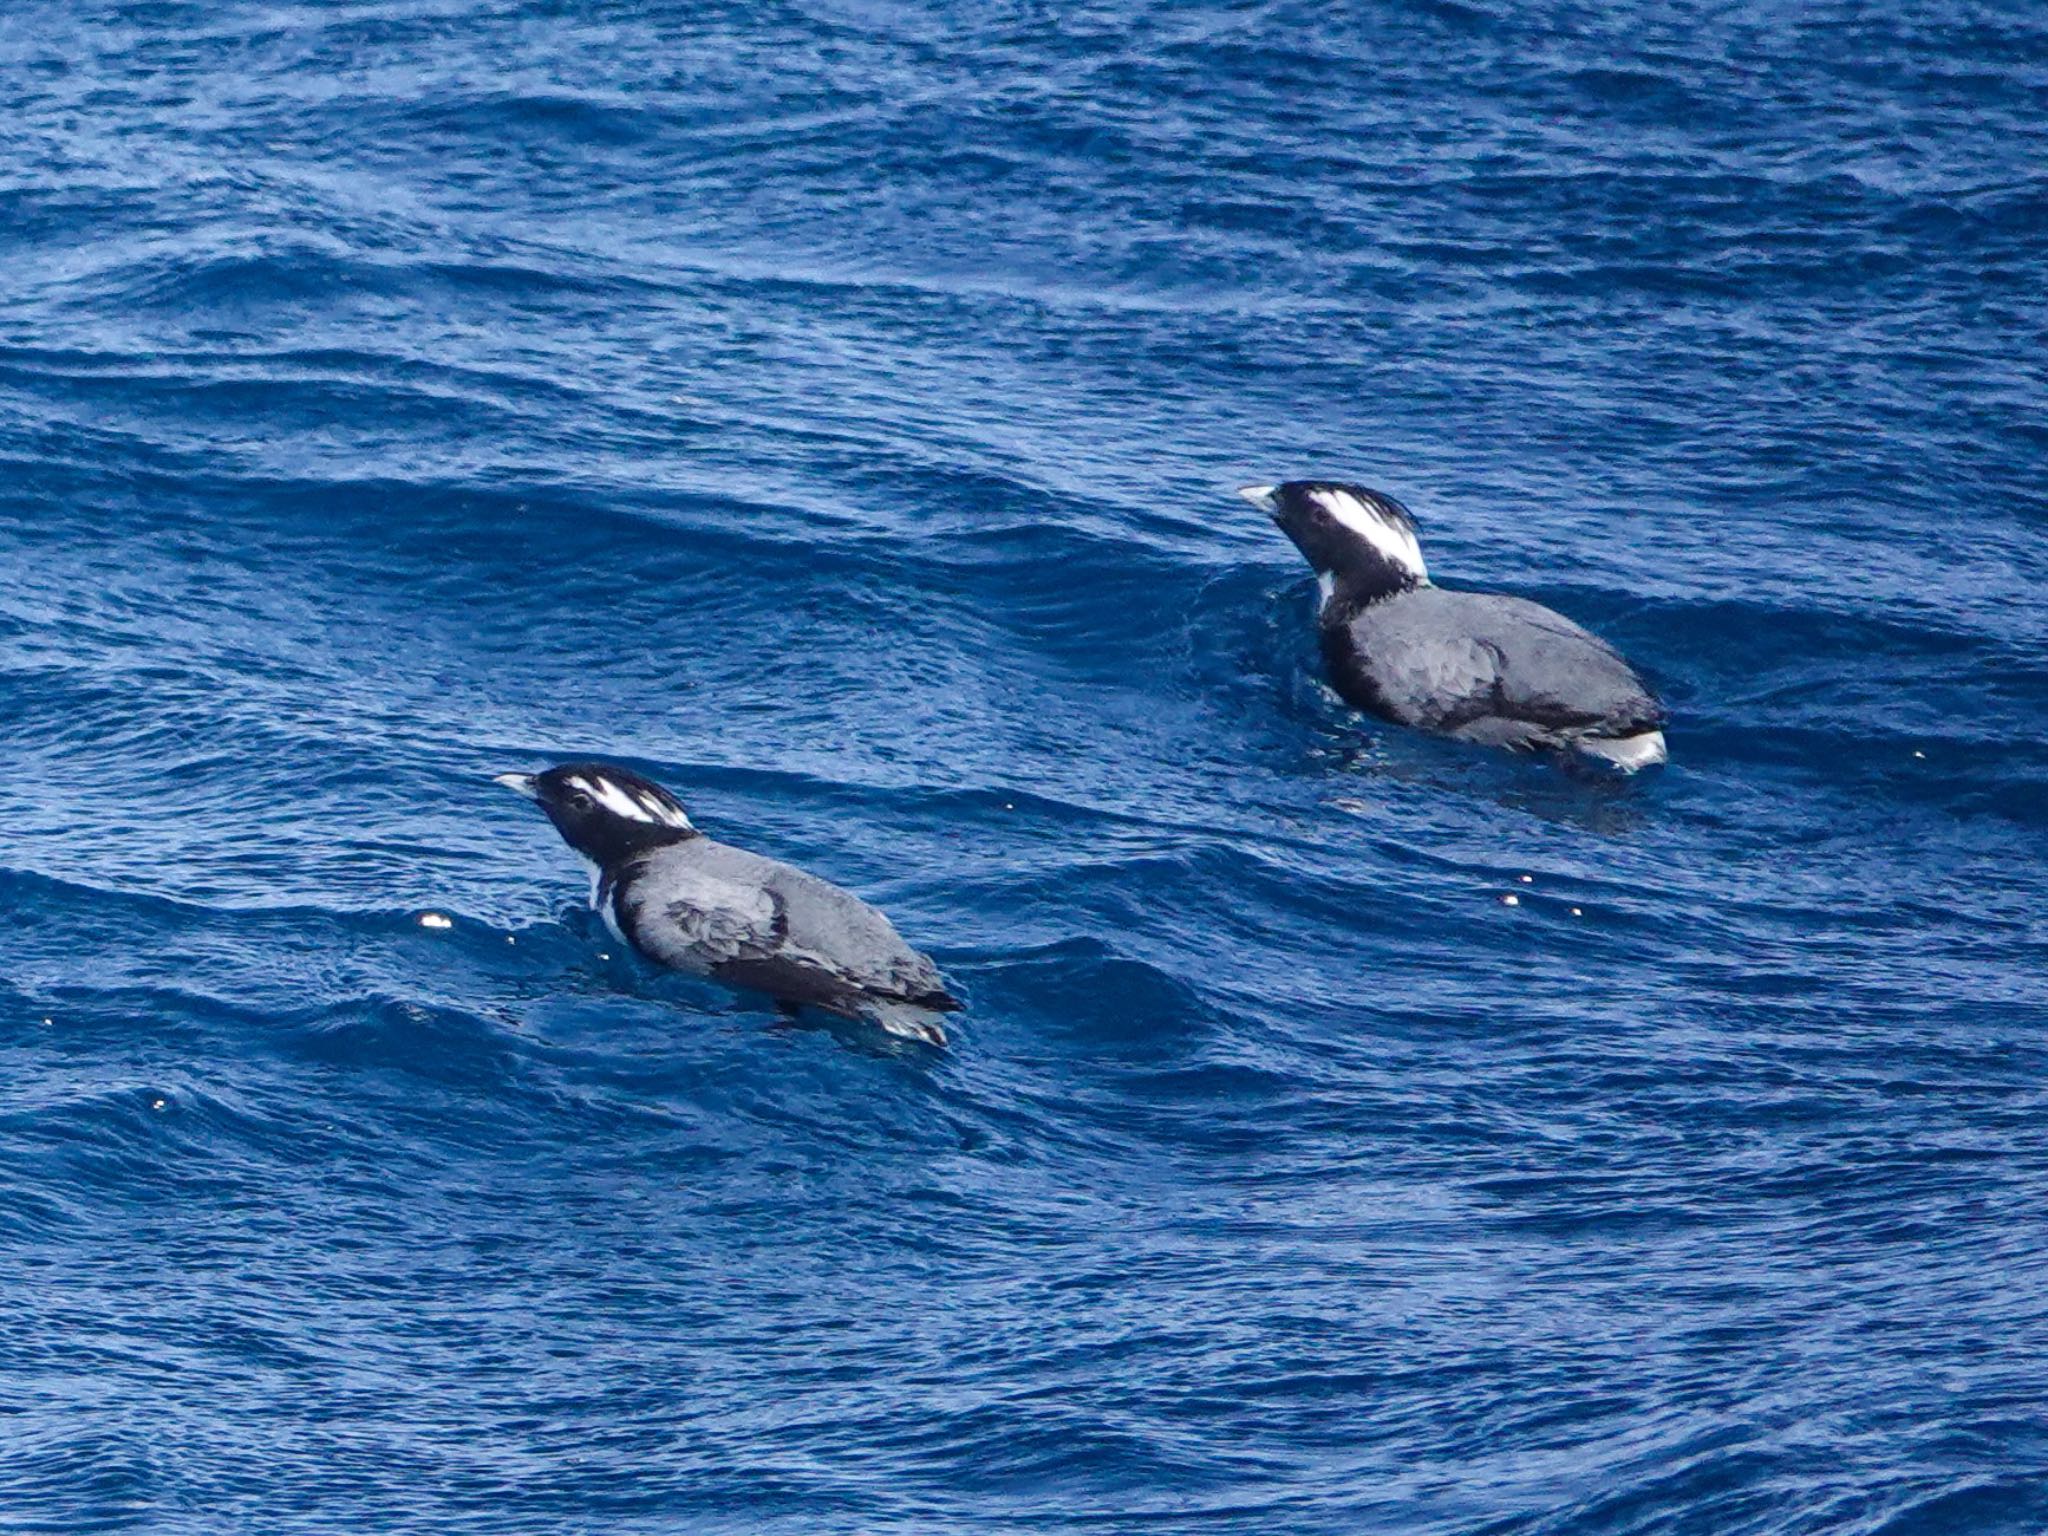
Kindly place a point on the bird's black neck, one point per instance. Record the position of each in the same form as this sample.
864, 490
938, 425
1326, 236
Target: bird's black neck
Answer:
1359, 586
625, 841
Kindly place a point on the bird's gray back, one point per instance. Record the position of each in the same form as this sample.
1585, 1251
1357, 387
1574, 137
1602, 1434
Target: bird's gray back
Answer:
726, 905
1451, 660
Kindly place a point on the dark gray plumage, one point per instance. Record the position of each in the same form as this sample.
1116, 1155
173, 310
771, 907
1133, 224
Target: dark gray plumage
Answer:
1485, 667
705, 907
721, 911
1479, 666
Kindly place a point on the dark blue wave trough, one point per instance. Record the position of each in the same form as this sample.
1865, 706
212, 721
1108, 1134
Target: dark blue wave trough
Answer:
831, 409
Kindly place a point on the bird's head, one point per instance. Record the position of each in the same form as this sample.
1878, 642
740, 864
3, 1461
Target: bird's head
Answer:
1362, 539
603, 812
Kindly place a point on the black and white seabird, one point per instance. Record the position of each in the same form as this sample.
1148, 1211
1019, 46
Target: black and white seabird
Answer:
705, 907
1479, 666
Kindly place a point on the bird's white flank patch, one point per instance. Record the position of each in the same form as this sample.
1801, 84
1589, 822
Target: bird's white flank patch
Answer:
1326, 584
1394, 543
1628, 753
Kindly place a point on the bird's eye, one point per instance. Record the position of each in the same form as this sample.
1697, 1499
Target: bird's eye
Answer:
579, 801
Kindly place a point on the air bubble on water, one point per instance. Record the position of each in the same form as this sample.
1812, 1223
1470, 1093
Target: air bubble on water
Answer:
1511, 900
436, 920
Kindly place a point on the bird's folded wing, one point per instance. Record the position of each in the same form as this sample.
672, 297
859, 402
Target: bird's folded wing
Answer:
1476, 663
1432, 679
696, 921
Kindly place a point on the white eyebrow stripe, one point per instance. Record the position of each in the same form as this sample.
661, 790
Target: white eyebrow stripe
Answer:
1382, 532
616, 800
661, 809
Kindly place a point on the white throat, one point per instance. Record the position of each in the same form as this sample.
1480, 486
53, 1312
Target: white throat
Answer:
601, 902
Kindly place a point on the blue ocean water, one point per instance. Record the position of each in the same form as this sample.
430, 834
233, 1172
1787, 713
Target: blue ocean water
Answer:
831, 409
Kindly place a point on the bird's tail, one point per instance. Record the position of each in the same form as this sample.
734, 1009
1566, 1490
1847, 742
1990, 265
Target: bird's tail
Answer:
908, 1021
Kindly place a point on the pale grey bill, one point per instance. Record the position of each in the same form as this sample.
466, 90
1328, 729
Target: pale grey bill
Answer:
519, 784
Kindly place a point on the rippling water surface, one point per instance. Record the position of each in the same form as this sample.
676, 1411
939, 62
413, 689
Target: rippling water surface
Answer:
831, 409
